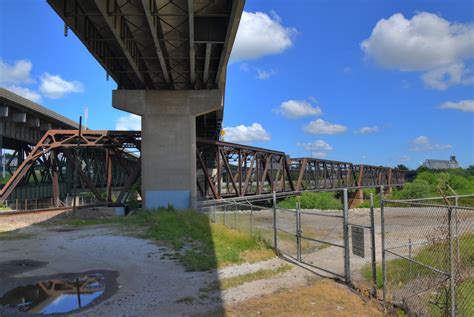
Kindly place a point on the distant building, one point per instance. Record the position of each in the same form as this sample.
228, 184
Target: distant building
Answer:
441, 164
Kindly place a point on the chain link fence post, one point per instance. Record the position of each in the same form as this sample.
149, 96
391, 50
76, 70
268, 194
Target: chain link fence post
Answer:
347, 266
382, 226
452, 269
372, 240
251, 220
298, 231
275, 243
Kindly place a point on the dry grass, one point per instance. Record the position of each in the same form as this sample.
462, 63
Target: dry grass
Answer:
253, 256
324, 298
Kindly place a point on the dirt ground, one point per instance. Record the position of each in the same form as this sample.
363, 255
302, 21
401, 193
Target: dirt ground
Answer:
151, 283
322, 298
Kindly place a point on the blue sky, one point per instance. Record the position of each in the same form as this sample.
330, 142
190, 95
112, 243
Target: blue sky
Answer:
302, 79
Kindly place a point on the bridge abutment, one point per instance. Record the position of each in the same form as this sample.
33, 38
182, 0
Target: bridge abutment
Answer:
168, 140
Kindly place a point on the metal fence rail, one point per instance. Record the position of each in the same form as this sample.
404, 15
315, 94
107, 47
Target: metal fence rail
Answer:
428, 256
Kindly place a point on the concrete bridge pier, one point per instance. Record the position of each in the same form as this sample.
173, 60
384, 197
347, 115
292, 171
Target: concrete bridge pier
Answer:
168, 140
357, 198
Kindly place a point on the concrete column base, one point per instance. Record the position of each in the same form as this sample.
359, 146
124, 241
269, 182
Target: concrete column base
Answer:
168, 141
357, 198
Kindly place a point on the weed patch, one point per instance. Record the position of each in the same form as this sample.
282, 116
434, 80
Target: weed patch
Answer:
14, 235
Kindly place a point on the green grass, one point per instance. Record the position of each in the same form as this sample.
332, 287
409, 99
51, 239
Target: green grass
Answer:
200, 244
14, 235
399, 271
309, 200
235, 281
400, 312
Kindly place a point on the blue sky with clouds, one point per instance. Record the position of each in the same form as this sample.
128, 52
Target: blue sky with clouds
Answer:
380, 82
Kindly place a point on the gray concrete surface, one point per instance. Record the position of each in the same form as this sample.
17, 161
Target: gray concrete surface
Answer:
168, 140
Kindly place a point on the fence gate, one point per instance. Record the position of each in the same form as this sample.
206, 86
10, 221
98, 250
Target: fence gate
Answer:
319, 240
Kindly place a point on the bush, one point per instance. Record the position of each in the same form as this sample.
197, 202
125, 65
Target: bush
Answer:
417, 189
324, 201
462, 185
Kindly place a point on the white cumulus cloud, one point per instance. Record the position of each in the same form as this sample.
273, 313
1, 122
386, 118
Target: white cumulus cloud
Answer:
293, 109
264, 74
367, 130
25, 92
443, 77
246, 134
463, 105
316, 145
426, 43
54, 87
320, 126
259, 35
404, 158
423, 143
17, 73
318, 148
130, 122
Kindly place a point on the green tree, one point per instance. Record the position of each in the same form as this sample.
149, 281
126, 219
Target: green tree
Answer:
401, 167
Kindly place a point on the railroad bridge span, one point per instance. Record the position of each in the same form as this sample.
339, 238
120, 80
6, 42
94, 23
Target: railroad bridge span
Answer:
223, 169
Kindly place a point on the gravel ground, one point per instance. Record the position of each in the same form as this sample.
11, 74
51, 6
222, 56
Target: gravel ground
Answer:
149, 283
18, 221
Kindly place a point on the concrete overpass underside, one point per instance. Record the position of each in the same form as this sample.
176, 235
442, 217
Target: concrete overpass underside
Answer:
169, 59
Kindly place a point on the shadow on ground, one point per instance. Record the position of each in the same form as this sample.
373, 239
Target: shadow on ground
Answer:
153, 264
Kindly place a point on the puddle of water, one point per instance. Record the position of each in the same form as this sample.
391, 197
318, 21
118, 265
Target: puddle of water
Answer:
56, 295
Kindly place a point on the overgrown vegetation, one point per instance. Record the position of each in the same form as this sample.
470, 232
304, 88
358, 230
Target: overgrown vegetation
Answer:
426, 184
464, 300
309, 200
401, 271
199, 244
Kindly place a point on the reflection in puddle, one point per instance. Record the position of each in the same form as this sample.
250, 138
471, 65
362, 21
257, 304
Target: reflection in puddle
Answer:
55, 296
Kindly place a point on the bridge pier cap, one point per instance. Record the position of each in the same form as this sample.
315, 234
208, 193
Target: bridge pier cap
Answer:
168, 154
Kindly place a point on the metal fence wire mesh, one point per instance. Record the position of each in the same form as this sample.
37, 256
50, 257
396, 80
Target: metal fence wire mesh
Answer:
365, 247
322, 240
429, 257
243, 216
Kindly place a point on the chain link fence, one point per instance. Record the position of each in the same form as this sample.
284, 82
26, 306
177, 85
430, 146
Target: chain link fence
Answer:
415, 254
317, 239
428, 256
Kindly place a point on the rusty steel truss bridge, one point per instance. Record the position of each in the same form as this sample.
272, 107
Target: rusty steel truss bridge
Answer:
108, 164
